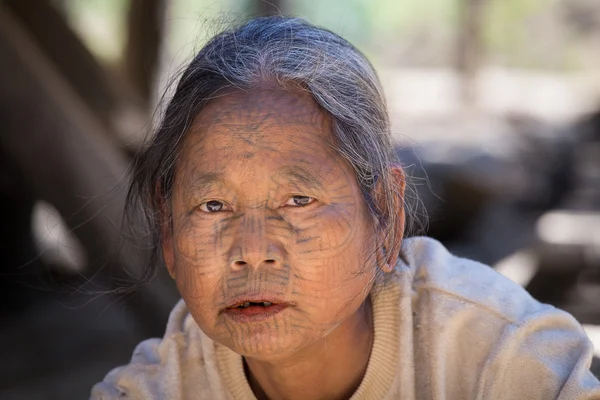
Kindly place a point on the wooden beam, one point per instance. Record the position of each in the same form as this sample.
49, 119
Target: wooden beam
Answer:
72, 59
65, 155
146, 25
469, 46
114, 104
269, 7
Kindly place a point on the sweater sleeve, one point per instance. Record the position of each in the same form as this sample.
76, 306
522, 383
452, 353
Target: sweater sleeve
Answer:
544, 356
132, 381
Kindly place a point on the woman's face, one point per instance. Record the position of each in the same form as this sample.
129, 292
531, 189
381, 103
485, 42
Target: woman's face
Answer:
265, 211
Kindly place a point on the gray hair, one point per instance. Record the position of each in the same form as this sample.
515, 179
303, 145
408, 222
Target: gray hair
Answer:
281, 50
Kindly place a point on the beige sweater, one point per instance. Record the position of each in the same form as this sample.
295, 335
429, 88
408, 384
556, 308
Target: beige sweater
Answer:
445, 328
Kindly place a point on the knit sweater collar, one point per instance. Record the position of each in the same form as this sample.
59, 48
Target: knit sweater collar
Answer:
383, 361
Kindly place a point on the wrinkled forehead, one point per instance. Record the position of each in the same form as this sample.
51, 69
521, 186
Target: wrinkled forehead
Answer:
253, 138
257, 110
266, 118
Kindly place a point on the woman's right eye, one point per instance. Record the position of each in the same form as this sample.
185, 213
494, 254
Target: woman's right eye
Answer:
213, 206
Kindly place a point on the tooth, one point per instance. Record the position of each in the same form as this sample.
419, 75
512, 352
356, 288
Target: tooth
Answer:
247, 304
266, 304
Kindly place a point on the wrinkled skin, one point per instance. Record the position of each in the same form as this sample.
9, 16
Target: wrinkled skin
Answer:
262, 204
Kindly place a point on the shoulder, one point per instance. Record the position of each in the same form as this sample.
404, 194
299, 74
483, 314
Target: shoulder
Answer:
164, 368
471, 321
438, 273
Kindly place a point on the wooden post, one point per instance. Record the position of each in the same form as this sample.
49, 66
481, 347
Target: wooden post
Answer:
269, 7
72, 59
116, 107
146, 25
469, 47
68, 160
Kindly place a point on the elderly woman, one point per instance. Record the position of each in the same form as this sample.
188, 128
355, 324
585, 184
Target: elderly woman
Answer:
277, 206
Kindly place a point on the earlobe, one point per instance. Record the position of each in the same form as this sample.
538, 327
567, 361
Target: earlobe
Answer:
387, 268
383, 260
168, 256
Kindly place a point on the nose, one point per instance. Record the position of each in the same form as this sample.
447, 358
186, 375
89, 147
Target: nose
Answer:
252, 247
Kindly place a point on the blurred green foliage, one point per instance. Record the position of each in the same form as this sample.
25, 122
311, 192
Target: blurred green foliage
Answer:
100, 23
515, 33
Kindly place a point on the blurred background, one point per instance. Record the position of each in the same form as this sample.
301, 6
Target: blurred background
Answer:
495, 107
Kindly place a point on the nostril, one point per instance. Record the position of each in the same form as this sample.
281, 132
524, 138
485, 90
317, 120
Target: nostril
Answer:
244, 264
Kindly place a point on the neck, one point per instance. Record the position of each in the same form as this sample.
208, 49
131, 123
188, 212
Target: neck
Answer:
331, 368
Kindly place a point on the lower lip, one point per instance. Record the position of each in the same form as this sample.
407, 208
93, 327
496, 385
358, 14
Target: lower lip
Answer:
254, 313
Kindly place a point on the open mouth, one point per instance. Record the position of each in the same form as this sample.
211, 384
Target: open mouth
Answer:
247, 304
253, 311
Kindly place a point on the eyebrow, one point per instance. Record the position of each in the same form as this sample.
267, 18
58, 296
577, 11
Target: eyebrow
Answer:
296, 174
208, 179
300, 175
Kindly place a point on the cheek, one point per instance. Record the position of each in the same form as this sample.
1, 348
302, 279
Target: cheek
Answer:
198, 271
334, 280
332, 232
334, 259
192, 241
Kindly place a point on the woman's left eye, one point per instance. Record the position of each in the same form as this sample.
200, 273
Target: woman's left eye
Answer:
213, 206
299, 201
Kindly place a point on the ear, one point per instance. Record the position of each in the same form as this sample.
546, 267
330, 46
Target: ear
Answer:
166, 232
389, 245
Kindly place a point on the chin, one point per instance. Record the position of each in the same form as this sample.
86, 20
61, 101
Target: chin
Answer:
268, 346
